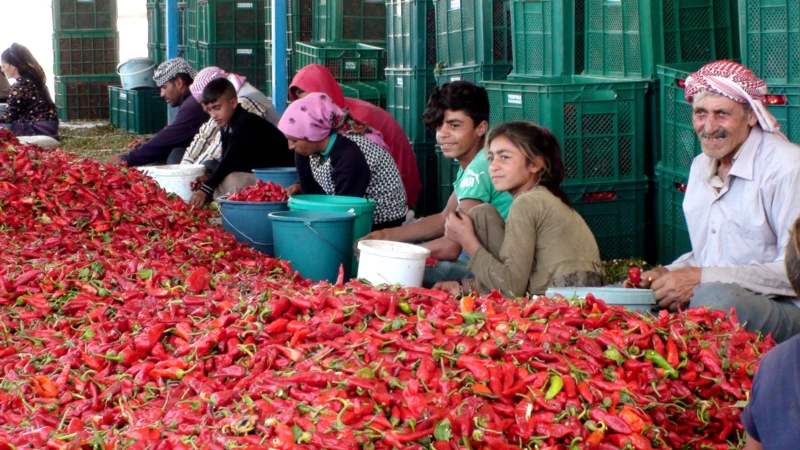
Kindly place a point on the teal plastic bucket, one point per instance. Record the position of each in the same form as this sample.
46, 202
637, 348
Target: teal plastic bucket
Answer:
250, 223
285, 176
137, 73
315, 243
363, 208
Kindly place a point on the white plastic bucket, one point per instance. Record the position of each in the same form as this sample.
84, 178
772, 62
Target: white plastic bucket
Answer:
175, 178
387, 262
137, 73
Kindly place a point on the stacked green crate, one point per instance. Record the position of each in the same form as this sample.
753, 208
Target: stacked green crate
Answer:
770, 39
545, 37
299, 28
347, 61
673, 233
140, 111
349, 21
473, 40
86, 55
157, 30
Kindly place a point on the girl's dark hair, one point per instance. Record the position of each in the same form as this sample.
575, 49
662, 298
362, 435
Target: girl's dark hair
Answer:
20, 57
793, 257
535, 141
463, 96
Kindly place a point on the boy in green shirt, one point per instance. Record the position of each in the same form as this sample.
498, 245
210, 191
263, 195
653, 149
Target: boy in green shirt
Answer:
459, 112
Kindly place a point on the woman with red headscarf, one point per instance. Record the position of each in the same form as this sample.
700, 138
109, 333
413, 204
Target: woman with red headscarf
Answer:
316, 78
336, 155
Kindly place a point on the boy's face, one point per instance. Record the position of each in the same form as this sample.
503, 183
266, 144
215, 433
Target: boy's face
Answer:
459, 134
222, 110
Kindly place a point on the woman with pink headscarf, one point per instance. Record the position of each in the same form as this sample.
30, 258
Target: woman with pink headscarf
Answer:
337, 155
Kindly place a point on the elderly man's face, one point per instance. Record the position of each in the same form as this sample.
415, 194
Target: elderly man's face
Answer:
721, 124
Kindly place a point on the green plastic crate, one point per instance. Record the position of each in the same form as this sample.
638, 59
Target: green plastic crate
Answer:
618, 222
673, 233
140, 111
410, 34
246, 59
157, 21
427, 164
192, 22
347, 61
158, 52
600, 123
85, 53
770, 39
87, 15
448, 171
473, 74
230, 22
473, 32
699, 30
373, 92
349, 20
83, 97
544, 34
406, 99
580, 42
298, 29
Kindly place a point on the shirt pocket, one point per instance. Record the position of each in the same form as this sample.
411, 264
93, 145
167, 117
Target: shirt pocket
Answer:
747, 241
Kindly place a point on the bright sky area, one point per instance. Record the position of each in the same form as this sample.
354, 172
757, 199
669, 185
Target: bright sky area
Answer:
30, 23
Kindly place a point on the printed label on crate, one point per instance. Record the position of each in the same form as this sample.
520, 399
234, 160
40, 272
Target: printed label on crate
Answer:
399, 81
349, 65
455, 78
85, 1
244, 5
123, 95
455, 4
514, 99
244, 51
398, 10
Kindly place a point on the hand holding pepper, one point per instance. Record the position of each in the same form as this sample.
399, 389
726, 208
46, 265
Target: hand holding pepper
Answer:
294, 190
198, 199
675, 288
451, 287
648, 277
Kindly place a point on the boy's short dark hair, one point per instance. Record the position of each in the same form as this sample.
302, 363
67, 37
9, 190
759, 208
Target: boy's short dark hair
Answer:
218, 89
462, 96
793, 257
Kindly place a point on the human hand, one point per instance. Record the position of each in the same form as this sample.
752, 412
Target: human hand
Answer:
451, 287
380, 235
675, 288
116, 160
459, 228
137, 143
652, 275
198, 199
294, 190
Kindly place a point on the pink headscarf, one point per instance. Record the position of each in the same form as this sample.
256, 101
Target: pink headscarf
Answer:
315, 117
210, 74
736, 82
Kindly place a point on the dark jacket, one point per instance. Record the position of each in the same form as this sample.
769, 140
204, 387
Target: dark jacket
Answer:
351, 173
178, 134
249, 142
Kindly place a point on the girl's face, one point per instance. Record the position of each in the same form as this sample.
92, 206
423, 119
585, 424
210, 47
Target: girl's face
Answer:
9, 70
510, 169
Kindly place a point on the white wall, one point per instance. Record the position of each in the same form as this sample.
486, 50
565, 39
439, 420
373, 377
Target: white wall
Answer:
30, 23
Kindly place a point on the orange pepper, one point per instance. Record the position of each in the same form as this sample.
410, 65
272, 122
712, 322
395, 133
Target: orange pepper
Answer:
43, 387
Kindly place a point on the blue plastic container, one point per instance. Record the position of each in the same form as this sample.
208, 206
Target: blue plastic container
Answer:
137, 73
250, 223
316, 243
285, 176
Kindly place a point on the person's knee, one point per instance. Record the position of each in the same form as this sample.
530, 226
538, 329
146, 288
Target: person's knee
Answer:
716, 295
485, 213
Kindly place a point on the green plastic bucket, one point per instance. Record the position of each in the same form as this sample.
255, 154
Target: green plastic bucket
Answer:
249, 222
316, 243
363, 208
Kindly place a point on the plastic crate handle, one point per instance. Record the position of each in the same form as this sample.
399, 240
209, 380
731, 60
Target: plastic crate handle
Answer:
591, 197
588, 95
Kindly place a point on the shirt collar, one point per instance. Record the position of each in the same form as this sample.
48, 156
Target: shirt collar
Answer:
743, 160
236, 114
327, 152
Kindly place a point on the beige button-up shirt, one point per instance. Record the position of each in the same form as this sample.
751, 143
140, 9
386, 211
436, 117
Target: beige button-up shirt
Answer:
739, 233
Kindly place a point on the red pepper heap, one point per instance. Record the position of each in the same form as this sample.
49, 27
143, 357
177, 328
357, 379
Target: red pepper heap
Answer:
128, 321
261, 192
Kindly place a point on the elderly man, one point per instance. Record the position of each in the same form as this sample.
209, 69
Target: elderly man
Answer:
742, 198
174, 77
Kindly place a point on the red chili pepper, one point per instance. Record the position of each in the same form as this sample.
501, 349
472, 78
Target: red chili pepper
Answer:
613, 422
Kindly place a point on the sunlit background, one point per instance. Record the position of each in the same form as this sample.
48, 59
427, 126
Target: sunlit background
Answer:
30, 23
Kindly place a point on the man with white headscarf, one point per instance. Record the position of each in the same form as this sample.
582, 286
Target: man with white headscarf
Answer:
742, 198
206, 148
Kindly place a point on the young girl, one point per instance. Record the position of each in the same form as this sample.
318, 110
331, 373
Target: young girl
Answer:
337, 155
545, 242
30, 110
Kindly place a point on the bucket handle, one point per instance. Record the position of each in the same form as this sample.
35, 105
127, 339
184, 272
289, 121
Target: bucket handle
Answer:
308, 225
134, 73
237, 230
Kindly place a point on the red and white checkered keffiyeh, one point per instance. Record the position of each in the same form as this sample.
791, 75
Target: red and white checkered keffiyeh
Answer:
210, 74
736, 82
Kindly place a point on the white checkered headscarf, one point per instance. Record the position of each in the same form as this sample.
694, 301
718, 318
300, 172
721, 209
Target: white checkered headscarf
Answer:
170, 69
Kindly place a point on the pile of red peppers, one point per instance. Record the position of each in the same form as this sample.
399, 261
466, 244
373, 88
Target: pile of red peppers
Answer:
261, 192
128, 321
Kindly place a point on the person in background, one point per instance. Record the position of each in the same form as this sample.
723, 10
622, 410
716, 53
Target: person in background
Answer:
30, 110
317, 78
206, 148
337, 155
742, 197
5, 88
248, 142
459, 112
544, 242
174, 77
775, 396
